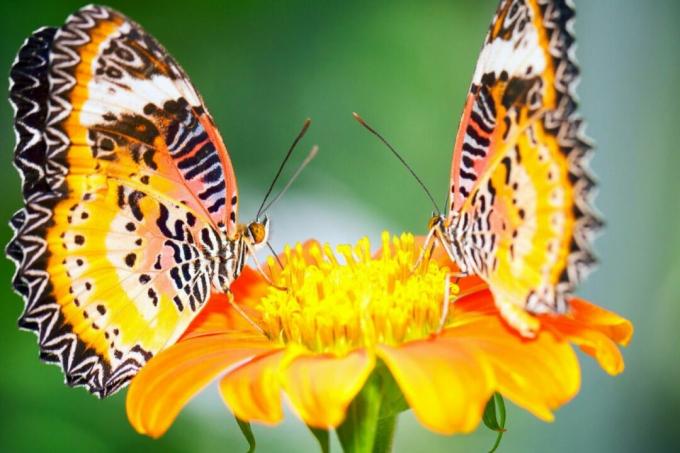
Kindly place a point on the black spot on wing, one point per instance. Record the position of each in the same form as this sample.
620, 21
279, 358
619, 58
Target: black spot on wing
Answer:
477, 152
217, 205
470, 131
516, 91
507, 163
133, 200
203, 166
211, 190
467, 175
207, 150
130, 259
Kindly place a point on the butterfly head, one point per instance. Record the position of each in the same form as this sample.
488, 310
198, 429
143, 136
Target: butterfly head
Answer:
257, 232
439, 224
436, 221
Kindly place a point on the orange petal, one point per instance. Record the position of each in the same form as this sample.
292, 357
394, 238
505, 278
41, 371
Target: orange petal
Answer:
617, 328
473, 285
596, 345
539, 374
475, 297
445, 384
249, 287
169, 380
320, 387
252, 391
218, 314
596, 331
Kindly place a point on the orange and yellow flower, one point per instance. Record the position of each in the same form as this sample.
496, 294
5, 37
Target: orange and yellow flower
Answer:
320, 339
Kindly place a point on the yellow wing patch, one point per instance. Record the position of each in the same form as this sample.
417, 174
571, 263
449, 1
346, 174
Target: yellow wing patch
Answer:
533, 218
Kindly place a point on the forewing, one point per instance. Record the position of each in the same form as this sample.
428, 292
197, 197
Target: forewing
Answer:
519, 173
118, 99
126, 183
523, 74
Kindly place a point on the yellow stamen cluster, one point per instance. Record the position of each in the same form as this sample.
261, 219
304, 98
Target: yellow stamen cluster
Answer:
334, 306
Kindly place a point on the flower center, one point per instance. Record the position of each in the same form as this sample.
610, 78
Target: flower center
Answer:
334, 306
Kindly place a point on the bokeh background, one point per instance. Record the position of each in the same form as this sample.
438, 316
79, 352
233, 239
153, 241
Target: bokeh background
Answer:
263, 67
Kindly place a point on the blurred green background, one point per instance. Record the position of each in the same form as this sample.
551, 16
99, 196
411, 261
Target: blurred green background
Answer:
263, 67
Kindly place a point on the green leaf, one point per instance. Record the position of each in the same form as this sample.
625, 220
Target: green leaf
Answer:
247, 432
500, 404
323, 438
489, 418
494, 418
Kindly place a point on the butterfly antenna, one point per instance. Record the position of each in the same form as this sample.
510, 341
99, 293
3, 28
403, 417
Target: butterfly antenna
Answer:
401, 159
301, 134
312, 154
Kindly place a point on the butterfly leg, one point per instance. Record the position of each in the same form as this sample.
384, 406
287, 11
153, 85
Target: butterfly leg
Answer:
426, 250
239, 310
446, 303
261, 271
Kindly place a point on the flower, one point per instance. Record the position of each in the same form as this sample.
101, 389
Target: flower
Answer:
320, 339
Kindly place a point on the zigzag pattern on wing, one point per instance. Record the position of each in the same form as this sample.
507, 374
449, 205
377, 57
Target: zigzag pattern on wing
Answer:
40, 80
566, 124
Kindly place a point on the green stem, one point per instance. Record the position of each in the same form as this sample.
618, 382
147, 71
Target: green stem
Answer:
371, 420
496, 444
247, 432
357, 433
384, 438
323, 438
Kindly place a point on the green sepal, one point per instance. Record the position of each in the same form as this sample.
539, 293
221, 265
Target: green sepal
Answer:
494, 418
247, 432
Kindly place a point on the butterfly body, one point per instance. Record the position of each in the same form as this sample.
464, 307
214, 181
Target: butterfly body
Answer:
130, 216
454, 232
519, 213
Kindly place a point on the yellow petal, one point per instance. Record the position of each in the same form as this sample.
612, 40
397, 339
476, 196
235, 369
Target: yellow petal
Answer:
252, 391
603, 349
444, 383
539, 374
320, 387
596, 331
169, 380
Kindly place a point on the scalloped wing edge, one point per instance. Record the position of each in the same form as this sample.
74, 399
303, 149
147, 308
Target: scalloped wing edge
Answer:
39, 83
568, 126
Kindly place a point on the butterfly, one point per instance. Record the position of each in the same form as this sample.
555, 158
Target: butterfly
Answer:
130, 199
520, 214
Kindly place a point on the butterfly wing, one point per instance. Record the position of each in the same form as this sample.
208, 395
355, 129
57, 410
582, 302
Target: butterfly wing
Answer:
127, 187
519, 181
